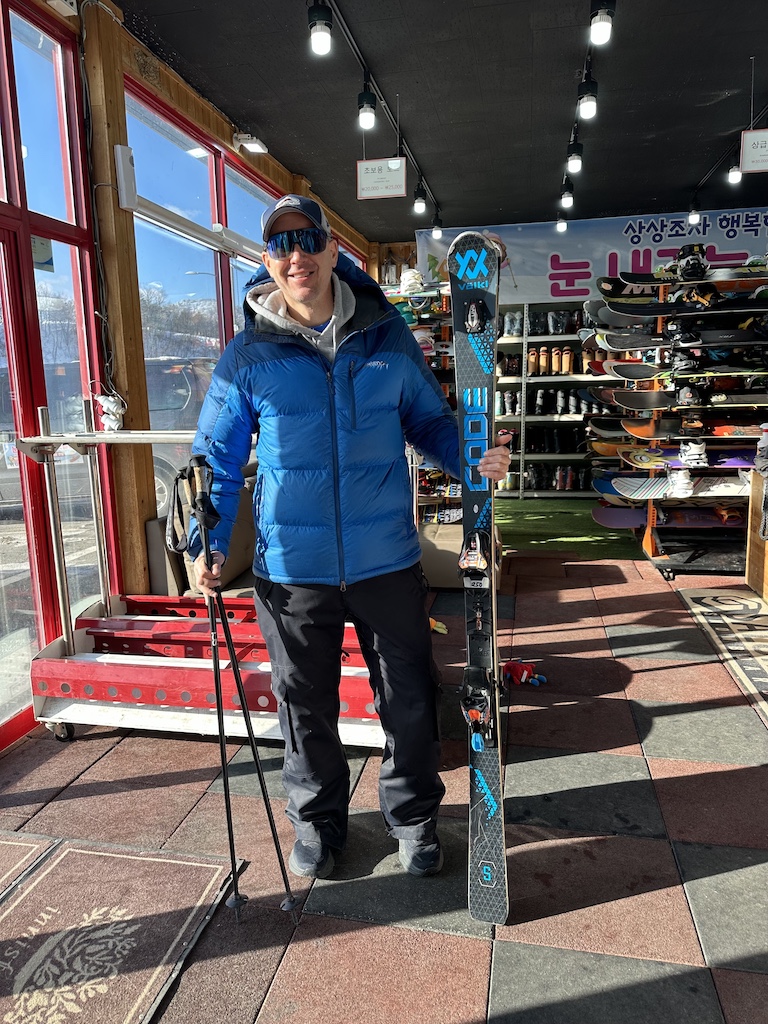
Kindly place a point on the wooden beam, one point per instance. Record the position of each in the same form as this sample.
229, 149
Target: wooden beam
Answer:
132, 465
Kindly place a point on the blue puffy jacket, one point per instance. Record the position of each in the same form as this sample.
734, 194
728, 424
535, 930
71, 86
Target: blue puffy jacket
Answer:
332, 502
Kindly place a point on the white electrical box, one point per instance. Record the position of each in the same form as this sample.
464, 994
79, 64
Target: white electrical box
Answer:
128, 197
67, 8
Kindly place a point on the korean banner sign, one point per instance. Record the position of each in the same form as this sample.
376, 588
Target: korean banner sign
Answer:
544, 265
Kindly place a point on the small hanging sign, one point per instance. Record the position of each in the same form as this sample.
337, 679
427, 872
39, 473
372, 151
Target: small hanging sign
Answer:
754, 150
381, 179
42, 253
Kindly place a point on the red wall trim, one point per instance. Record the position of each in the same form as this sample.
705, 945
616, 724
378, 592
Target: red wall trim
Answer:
17, 727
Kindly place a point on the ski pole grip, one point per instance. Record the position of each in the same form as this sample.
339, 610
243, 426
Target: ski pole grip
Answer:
198, 483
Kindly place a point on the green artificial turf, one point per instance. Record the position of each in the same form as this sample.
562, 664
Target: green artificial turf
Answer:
559, 524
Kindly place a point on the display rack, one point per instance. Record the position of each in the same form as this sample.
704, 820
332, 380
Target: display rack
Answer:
537, 404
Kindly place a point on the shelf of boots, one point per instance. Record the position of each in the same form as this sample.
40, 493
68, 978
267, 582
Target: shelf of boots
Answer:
566, 479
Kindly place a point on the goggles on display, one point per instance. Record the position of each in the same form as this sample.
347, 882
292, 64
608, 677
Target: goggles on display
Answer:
310, 240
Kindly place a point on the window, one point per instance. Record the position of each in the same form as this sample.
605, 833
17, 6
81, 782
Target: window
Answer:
42, 118
245, 204
172, 169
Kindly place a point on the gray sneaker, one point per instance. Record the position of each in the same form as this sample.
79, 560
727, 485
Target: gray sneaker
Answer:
421, 857
311, 860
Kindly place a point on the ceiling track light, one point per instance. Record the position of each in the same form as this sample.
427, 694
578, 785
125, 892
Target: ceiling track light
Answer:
693, 213
586, 107
587, 103
437, 225
420, 198
566, 193
241, 140
575, 153
366, 107
601, 21
320, 17
561, 224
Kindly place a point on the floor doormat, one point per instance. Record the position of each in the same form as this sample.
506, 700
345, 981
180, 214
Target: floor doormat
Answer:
737, 623
95, 932
19, 854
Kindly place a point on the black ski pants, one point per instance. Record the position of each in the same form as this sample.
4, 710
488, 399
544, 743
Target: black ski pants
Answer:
303, 626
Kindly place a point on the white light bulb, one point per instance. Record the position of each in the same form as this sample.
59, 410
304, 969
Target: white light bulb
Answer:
320, 39
419, 205
574, 163
562, 224
587, 107
367, 117
566, 200
734, 174
600, 28
694, 216
437, 232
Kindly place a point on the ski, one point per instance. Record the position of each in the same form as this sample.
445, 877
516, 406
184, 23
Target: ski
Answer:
473, 268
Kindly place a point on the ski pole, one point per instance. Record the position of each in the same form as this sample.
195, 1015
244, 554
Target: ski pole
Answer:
201, 475
198, 494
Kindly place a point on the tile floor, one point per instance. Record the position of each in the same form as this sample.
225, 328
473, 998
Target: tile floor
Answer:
637, 825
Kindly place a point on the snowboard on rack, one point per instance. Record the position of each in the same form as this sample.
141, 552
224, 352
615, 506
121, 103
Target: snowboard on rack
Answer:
617, 288
668, 457
757, 275
606, 427
625, 370
670, 427
640, 488
688, 398
736, 308
680, 518
608, 449
602, 314
473, 269
680, 334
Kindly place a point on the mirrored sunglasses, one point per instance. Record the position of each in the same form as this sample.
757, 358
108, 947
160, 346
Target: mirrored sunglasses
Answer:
310, 240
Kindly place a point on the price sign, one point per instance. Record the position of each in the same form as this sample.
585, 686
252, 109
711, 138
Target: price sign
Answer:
381, 179
754, 151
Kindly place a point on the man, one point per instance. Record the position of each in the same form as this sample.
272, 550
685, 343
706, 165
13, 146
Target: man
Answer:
329, 377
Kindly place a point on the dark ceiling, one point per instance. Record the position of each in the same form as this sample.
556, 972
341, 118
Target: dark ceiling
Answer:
486, 91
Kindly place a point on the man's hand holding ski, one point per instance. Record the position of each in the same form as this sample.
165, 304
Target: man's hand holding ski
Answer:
495, 463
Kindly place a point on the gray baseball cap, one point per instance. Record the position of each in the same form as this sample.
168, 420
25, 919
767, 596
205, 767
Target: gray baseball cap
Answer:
294, 204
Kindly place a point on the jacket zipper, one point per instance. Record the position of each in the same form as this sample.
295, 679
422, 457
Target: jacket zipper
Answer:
336, 482
352, 402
